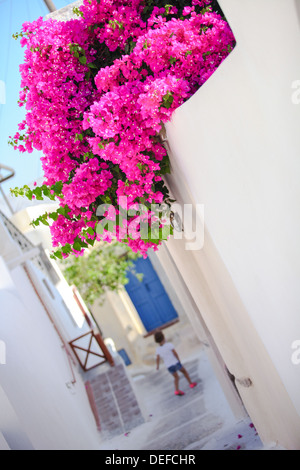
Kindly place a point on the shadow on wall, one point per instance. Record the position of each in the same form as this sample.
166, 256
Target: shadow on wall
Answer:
297, 4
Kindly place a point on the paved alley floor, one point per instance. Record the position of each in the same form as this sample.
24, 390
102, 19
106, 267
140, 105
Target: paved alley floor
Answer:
199, 420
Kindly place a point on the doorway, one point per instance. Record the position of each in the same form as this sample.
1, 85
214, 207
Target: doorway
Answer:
149, 297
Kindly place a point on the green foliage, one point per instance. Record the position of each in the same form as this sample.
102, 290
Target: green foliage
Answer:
77, 12
179, 4
167, 100
103, 269
17, 35
39, 192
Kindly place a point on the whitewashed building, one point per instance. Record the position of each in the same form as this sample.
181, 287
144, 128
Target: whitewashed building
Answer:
57, 376
234, 149
43, 404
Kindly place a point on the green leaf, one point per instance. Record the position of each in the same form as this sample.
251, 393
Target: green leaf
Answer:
44, 221
57, 188
58, 254
54, 216
77, 246
167, 100
90, 231
78, 137
167, 9
47, 192
77, 12
38, 194
29, 194
83, 60
66, 249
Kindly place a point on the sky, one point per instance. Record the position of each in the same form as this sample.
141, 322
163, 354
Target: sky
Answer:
13, 13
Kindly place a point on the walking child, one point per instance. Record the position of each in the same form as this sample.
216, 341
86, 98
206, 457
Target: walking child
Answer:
167, 353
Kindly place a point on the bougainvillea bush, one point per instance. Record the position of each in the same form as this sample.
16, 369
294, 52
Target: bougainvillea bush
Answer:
97, 91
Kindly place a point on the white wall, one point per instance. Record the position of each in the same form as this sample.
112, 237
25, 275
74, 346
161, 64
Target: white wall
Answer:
36, 378
12, 435
3, 443
23, 218
61, 291
235, 147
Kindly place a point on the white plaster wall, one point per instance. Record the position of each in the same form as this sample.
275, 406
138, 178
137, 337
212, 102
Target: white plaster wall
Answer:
12, 435
62, 291
3, 443
113, 322
36, 378
41, 234
235, 145
69, 318
177, 276
59, 298
8, 249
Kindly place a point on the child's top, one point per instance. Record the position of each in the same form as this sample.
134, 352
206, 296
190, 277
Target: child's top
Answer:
165, 352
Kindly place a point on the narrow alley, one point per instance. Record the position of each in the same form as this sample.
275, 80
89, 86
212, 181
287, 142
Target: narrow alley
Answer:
199, 420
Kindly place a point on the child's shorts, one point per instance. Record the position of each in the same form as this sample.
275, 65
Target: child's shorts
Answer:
175, 368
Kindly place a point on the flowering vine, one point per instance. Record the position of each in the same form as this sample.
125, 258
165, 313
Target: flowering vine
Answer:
97, 91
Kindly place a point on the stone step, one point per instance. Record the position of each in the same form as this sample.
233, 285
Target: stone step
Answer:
115, 400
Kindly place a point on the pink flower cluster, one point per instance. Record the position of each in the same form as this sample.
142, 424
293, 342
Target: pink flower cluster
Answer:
97, 91
91, 179
114, 21
55, 93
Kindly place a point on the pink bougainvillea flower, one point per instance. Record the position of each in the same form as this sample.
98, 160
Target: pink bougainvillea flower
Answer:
97, 91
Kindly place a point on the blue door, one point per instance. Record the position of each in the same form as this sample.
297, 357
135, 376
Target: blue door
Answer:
149, 296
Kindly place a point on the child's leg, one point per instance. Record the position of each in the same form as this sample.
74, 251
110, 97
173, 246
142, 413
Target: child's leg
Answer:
185, 373
176, 381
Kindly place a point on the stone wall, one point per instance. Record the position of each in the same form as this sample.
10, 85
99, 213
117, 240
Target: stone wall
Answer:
66, 13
